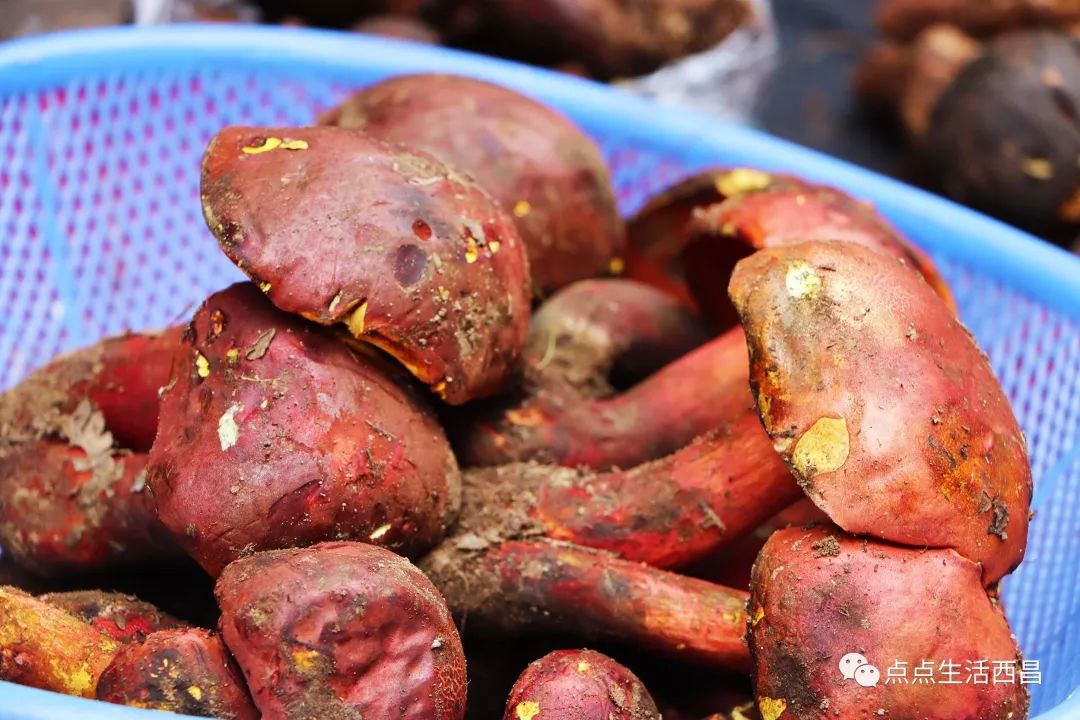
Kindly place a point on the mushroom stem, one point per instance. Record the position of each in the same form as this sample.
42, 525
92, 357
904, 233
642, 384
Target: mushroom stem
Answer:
539, 584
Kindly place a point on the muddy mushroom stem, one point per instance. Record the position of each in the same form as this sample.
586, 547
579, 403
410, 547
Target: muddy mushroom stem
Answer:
49, 648
405, 252
668, 513
537, 585
73, 442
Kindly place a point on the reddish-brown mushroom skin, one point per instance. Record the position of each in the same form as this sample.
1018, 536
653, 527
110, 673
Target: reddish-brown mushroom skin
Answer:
342, 630
124, 618
274, 433
535, 161
185, 671
882, 403
512, 586
579, 685
818, 594
409, 254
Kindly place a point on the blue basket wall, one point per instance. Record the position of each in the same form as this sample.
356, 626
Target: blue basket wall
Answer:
101, 231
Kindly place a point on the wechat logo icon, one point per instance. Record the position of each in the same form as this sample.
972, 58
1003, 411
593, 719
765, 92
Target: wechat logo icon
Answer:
854, 666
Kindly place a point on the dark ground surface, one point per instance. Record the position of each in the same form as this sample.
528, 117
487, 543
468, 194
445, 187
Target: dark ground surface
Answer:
809, 100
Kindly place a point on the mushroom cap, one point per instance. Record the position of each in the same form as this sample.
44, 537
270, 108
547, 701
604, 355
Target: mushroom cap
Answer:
342, 630
409, 254
273, 433
881, 402
823, 605
579, 685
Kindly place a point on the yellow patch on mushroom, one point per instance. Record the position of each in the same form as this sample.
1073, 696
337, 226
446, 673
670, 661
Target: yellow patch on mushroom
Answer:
294, 145
195, 691
1037, 168
764, 403
771, 708
379, 531
232, 355
802, 281
77, 682
522, 208
472, 251
268, 144
493, 246
528, 417
823, 448
265, 287
202, 365
758, 616
357, 320
583, 667
439, 388
306, 660
742, 180
740, 712
616, 266
527, 709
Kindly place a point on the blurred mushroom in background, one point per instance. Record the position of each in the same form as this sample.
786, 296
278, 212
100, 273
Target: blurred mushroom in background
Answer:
988, 96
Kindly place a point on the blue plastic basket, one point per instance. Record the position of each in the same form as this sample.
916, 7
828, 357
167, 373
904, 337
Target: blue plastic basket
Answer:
100, 138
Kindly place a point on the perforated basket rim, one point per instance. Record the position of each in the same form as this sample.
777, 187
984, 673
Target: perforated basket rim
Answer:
1035, 269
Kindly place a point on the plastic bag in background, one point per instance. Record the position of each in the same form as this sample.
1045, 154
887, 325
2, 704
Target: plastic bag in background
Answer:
19, 18
155, 12
724, 81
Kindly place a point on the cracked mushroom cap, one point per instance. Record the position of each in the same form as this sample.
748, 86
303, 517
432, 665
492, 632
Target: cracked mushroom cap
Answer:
881, 402
838, 623
407, 253
274, 433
